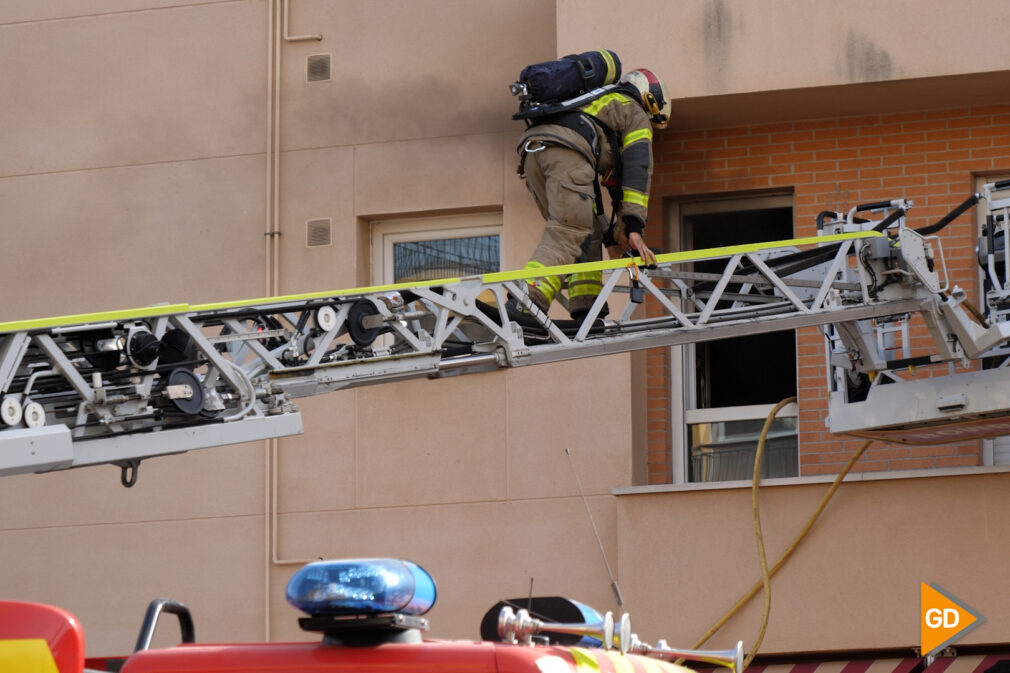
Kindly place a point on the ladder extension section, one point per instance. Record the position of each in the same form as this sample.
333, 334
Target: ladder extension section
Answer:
122, 386
880, 387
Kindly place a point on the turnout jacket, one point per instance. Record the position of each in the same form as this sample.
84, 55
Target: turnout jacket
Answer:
582, 131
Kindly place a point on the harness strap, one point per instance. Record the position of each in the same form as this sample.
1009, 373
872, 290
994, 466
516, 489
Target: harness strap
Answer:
617, 171
583, 124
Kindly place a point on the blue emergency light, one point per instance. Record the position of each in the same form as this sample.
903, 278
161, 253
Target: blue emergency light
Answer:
361, 587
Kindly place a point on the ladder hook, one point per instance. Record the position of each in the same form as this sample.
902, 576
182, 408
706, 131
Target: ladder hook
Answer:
130, 468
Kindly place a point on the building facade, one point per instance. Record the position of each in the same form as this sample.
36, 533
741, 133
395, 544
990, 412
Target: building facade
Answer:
172, 150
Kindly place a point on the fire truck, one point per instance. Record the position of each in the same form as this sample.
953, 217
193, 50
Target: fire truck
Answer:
369, 617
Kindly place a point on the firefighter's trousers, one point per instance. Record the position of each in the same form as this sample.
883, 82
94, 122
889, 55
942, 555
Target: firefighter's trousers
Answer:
561, 181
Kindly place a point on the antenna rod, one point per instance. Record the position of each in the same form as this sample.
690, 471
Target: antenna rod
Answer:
613, 582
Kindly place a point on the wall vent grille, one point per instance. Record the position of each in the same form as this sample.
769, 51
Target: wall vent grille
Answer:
317, 233
317, 68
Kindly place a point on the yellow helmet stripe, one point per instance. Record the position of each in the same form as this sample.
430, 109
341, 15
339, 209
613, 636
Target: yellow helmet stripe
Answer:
638, 198
635, 136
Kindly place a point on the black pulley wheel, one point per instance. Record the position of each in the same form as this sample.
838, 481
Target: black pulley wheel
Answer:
192, 405
361, 335
142, 348
96, 352
176, 346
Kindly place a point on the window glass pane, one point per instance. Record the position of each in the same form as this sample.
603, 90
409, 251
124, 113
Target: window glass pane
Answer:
726, 450
445, 257
722, 366
756, 369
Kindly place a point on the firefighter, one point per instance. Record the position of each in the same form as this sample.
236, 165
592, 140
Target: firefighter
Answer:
562, 161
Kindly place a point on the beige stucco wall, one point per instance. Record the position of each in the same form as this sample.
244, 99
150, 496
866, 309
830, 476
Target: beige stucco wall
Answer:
854, 581
134, 171
122, 186
735, 62
709, 47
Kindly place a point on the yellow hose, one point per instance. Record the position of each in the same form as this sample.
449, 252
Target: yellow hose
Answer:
767, 573
766, 579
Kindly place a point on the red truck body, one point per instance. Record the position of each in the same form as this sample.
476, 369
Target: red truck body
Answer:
47, 639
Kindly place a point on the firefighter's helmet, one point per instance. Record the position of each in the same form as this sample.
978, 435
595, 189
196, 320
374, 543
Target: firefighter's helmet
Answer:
652, 94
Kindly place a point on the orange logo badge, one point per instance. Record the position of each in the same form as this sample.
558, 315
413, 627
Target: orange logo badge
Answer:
943, 619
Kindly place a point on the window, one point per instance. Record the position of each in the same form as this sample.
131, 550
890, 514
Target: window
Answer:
428, 248
728, 387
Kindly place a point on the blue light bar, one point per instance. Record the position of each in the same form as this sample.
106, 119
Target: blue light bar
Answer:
361, 587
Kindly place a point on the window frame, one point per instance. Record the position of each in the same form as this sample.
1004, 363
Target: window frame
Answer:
684, 411
386, 233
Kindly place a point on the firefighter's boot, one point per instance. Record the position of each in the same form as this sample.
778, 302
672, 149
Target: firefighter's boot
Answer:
542, 290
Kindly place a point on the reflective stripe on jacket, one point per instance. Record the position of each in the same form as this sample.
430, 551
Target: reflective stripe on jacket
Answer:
631, 124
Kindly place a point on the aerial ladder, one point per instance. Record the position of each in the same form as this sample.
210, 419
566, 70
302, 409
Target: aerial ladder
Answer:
122, 386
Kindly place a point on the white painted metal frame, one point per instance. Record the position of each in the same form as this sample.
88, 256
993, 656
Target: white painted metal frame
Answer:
227, 373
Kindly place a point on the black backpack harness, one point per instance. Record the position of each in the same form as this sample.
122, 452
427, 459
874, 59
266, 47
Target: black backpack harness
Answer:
567, 115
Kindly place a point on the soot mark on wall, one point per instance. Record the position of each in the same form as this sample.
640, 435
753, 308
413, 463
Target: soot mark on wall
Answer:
865, 61
717, 31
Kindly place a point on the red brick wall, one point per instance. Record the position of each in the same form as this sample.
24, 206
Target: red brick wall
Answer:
930, 157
